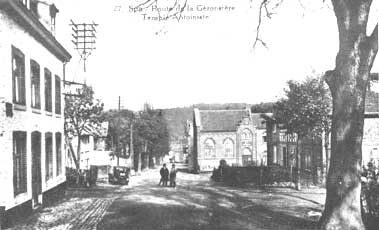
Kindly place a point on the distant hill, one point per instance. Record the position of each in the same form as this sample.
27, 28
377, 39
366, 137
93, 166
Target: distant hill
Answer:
176, 119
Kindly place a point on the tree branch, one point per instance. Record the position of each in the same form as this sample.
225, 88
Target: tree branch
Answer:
265, 10
373, 44
257, 39
373, 39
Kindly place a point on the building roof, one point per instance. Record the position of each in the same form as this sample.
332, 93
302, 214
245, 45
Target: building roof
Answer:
96, 130
27, 20
219, 120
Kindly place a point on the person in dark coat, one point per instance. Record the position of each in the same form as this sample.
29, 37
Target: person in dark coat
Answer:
162, 172
164, 175
173, 172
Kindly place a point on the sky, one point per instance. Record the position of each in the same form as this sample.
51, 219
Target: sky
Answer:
174, 63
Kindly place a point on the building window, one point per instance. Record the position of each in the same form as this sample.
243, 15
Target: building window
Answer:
246, 134
247, 157
307, 161
35, 85
282, 137
19, 162
58, 150
229, 148
57, 95
209, 148
85, 139
48, 90
48, 156
18, 76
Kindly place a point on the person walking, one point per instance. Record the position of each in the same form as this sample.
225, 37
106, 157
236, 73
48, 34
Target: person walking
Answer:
163, 173
173, 172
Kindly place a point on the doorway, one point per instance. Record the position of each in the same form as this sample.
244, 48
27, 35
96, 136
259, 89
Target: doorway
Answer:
36, 168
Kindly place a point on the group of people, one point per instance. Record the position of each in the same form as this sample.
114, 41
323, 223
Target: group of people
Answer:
167, 175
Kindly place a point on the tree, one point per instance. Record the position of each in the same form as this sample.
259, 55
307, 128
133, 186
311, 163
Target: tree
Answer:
80, 111
120, 124
348, 84
263, 107
304, 111
151, 135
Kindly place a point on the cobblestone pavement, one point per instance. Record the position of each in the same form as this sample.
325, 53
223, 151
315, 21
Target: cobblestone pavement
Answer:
74, 213
81, 209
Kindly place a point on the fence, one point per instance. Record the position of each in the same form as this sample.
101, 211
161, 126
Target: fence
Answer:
261, 175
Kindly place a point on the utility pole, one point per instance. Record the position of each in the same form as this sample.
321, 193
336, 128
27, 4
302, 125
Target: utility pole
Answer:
131, 149
118, 133
84, 35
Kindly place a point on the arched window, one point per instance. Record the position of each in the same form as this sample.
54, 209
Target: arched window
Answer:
209, 148
247, 134
228, 148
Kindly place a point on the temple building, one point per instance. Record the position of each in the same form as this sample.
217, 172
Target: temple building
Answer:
236, 136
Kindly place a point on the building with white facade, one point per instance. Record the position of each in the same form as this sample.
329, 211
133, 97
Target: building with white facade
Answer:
31, 106
236, 136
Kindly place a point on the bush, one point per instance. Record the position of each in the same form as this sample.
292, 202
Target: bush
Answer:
370, 194
86, 177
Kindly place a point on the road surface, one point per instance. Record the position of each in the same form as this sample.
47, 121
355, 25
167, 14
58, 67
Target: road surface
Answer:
198, 203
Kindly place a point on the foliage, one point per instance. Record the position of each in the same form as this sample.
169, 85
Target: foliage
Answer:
80, 111
150, 131
263, 107
119, 130
306, 108
152, 134
370, 191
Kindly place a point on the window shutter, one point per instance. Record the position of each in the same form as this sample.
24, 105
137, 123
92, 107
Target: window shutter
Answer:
23, 163
58, 142
19, 163
18, 76
15, 168
57, 95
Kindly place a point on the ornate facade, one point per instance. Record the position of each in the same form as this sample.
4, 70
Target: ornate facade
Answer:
236, 136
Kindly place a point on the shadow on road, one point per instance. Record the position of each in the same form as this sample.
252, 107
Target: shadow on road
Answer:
199, 204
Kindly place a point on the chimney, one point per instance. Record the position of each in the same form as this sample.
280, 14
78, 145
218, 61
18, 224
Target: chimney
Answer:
46, 12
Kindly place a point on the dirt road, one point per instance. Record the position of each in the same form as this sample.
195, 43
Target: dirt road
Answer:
197, 204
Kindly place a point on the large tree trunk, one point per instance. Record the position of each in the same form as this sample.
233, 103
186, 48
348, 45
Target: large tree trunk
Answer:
72, 152
78, 160
348, 84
